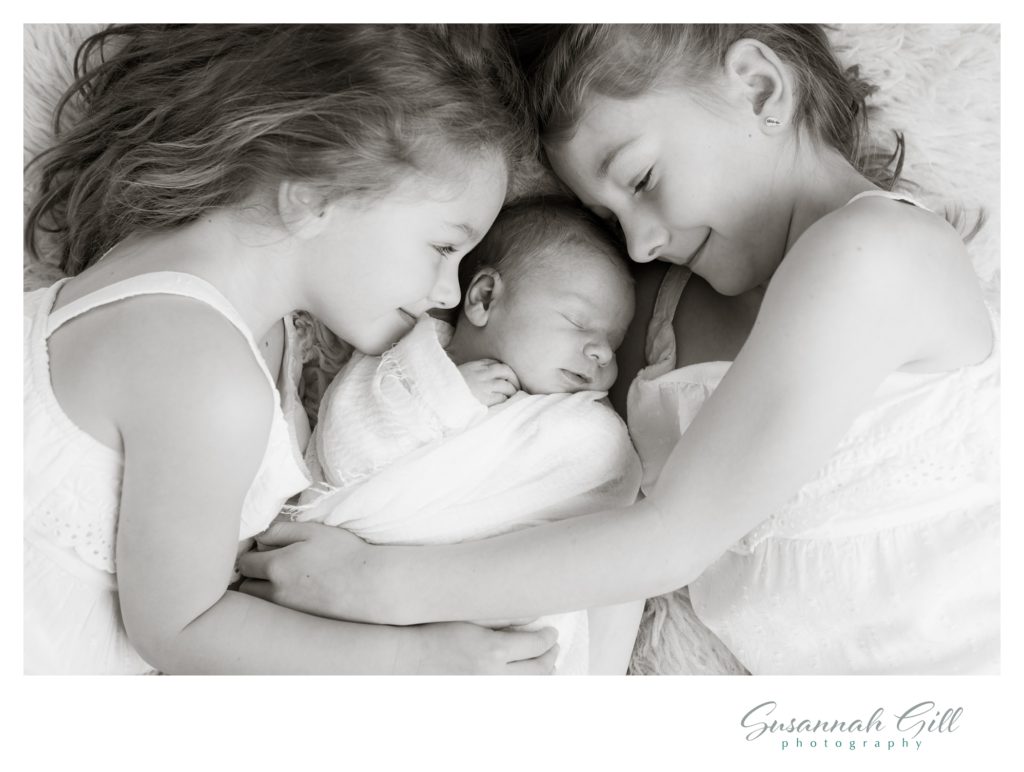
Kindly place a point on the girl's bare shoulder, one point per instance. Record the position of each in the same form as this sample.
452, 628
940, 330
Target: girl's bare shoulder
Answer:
879, 235
888, 263
155, 357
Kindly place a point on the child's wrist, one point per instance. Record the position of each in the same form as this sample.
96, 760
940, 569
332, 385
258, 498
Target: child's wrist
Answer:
388, 589
400, 590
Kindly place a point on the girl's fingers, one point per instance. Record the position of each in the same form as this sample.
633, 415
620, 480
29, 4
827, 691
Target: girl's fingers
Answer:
542, 665
501, 624
282, 533
256, 588
253, 565
523, 645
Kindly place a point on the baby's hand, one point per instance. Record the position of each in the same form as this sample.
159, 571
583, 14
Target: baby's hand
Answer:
490, 381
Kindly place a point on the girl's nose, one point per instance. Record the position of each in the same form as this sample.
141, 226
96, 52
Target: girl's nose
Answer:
645, 239
446, 292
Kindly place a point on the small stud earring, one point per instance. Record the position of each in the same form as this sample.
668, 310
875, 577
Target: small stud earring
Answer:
771, 122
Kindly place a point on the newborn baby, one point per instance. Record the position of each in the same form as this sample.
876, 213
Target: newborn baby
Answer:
500, 422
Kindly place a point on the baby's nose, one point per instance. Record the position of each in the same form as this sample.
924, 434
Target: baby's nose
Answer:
600, 351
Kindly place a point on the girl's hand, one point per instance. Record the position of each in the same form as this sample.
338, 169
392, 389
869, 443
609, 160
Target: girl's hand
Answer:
500, 624
462, 648
318, 569
489, 380
327, 571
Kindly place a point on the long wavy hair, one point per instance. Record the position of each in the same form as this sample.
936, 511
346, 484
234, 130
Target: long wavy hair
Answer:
176, 120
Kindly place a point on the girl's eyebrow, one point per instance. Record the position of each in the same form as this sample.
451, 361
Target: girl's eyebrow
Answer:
606, 162
469, 230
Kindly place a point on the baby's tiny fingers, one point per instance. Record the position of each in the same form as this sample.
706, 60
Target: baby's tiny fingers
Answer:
493, 398
482, 365
503, 388
504, 372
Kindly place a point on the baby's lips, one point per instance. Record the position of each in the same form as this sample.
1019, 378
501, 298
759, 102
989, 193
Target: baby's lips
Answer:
577, 379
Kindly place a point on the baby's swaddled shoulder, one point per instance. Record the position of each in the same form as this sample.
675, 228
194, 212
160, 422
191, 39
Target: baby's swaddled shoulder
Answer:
582, 414
585, 430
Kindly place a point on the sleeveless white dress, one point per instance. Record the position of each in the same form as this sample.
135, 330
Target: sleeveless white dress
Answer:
73, 486
887, 560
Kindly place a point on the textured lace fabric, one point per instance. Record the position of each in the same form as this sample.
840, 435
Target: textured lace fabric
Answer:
73, 487
887, 560
382, 408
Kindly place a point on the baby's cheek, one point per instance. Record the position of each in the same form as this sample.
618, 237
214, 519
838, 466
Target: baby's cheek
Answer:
606, 376
534, 380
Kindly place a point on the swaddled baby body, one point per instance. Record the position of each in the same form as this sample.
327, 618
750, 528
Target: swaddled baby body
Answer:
498, 423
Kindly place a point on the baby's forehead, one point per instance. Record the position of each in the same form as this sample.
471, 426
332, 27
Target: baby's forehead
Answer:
572, 258
579, 276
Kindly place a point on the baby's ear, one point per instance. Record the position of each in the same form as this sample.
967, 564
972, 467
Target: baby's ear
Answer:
484, 289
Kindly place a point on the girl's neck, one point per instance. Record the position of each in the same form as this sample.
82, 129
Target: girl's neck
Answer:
824, 181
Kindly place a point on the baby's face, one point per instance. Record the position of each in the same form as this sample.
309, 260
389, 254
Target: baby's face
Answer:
560, 324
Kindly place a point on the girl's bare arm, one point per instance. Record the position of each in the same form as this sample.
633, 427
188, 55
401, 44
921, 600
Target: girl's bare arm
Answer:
852, 302
194, 421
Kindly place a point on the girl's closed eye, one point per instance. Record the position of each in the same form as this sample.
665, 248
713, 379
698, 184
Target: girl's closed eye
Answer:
445, 250
644, 183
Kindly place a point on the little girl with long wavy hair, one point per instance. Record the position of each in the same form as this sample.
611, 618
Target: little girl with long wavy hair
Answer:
219, 179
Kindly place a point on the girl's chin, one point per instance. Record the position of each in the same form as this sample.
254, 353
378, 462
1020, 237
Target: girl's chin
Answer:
376, 342
375, 338
729, 285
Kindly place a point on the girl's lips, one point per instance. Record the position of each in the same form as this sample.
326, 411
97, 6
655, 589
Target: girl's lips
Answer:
407, 316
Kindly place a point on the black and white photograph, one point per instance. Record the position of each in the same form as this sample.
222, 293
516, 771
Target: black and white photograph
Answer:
474, 349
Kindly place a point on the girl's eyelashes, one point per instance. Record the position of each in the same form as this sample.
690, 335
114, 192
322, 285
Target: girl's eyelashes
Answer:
644, 183
445, 250
575, 324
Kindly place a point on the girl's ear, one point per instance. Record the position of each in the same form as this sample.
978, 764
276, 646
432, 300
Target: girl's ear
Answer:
484, 289
763, 82
302, 209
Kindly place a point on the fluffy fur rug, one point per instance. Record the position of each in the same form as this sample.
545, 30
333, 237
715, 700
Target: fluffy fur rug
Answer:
938, 84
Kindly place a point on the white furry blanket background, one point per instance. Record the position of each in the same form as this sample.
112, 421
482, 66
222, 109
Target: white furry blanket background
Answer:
938, 84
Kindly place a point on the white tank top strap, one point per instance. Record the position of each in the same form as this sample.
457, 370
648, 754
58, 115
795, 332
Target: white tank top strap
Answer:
155, 283
661, 339
892, 194
158, 283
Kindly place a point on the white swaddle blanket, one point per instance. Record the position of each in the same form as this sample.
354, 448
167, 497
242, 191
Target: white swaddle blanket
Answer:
407, 455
